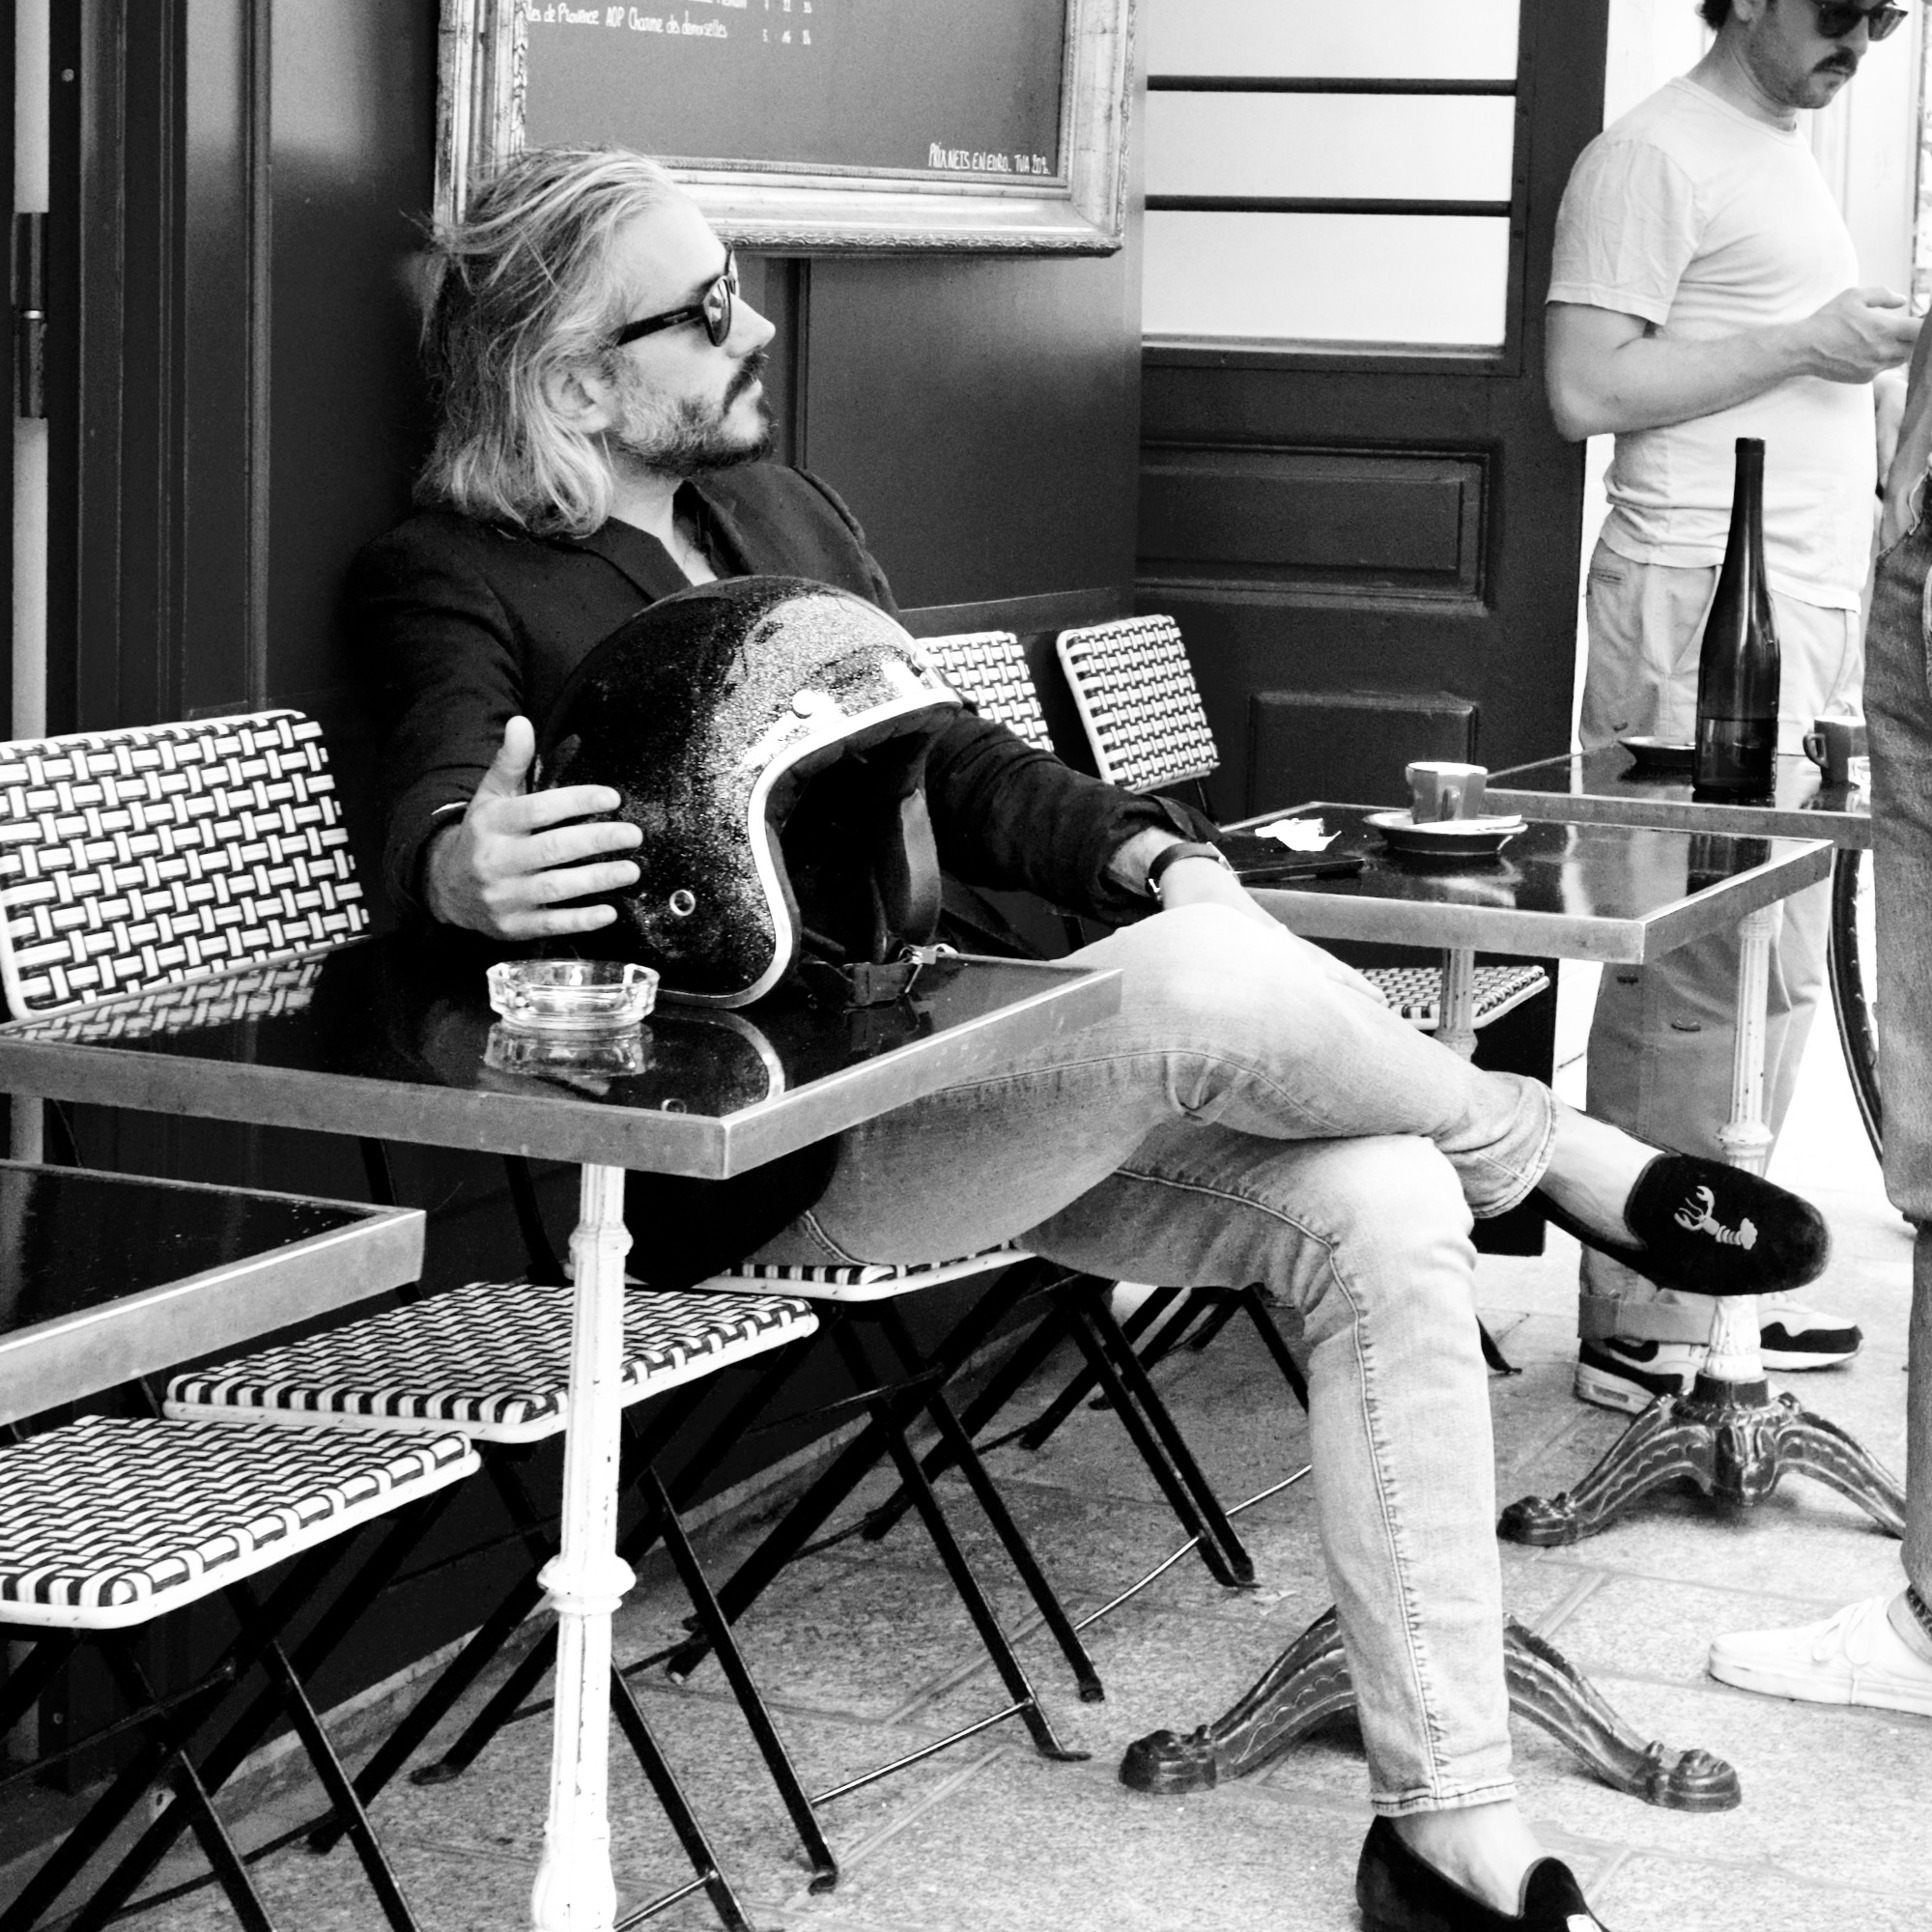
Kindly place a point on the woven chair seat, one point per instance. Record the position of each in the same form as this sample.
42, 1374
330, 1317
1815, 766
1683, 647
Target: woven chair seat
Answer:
106, 1522
863, 1281
1415, 992
491, 1360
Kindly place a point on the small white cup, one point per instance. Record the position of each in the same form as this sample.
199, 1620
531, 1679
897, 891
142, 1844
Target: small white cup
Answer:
1441, 790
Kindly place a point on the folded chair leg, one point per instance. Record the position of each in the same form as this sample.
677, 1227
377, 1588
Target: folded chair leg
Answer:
158, 1757
531, 1669
1273, 1340
1083, 1382
751, 1699
545, 1267
676, 1807
406, 1529
1006, 1381
1223, 1313
993, 1506
26, 1680
1147, 1399
791, 1533
322, 1753
998, 1646
1149, 1449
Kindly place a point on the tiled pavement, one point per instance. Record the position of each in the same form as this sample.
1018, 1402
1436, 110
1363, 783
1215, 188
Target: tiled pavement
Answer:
864, 1655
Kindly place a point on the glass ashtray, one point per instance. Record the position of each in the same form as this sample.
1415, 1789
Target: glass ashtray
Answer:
572, 998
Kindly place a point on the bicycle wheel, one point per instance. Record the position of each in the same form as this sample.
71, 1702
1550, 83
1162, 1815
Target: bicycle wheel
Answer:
1852, 959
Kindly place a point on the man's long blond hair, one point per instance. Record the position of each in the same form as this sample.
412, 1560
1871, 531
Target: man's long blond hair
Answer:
522, 289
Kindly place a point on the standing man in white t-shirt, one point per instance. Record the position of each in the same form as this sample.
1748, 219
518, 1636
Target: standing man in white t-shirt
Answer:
1703, 290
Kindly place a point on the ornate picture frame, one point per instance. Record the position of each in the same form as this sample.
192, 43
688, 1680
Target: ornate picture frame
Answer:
795, 211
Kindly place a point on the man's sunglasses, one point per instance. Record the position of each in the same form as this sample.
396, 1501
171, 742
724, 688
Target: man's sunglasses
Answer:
1837, 19
713, 308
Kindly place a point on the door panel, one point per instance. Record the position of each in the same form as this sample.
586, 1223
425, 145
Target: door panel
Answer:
1344, 490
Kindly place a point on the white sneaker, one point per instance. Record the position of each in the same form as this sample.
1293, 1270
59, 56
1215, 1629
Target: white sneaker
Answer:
1854, 1656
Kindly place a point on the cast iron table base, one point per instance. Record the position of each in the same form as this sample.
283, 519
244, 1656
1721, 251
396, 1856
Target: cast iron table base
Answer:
1309, 1683
1734, 1440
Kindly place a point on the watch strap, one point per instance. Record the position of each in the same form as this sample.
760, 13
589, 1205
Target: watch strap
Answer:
1170, 855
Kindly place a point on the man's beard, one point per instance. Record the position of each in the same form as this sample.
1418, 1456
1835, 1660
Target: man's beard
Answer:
688, 437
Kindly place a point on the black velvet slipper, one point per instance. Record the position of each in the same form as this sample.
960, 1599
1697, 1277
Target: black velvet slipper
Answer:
1401, 1893
1708, 1228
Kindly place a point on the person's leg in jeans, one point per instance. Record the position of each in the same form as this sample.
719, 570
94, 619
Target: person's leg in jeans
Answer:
1880, 1652
1256, 1113
1661, 1040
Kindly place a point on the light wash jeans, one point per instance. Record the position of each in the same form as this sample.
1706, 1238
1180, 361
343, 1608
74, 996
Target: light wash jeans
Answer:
1899, 710
1255, 1113
1661, 1040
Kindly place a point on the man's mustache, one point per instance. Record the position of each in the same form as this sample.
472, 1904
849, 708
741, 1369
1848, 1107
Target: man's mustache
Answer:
751, 370
1844, 64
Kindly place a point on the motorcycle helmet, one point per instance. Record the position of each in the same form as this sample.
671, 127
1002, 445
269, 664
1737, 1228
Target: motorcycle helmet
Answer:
768, 736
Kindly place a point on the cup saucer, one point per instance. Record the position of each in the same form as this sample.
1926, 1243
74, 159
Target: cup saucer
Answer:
1444, 839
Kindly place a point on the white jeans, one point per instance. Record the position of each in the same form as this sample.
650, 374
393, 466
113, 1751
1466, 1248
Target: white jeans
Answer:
1255, 1113
1660, 1042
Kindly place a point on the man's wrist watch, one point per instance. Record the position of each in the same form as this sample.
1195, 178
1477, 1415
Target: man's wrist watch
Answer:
1170, 855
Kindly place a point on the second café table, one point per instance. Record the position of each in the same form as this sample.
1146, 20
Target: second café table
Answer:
391, 1037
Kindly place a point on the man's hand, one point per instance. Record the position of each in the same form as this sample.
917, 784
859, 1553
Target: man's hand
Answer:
503, 868
1858, 334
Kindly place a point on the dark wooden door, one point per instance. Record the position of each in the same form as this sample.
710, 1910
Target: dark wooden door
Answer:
1372, 547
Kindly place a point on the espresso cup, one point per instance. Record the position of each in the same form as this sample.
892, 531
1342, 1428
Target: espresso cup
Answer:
1832, 742
1439, 789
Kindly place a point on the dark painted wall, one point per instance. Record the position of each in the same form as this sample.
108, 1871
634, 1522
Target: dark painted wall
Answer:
239, 411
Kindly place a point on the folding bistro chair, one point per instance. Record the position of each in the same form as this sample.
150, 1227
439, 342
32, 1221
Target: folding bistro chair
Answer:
108, 1527
493, 1359
135, 865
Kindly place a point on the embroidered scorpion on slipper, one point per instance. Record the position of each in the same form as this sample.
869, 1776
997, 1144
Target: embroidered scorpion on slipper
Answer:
1687, 1222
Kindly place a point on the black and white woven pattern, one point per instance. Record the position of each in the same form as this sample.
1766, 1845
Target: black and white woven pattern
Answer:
136, 858
989, 669
491, 1360
286, 988
864, 1281
1137, 697
107, 1522
1415, 992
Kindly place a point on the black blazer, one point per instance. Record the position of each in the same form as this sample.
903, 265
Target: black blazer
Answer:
462, 624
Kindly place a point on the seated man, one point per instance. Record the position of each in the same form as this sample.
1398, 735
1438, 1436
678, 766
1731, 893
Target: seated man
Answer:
1254, 1113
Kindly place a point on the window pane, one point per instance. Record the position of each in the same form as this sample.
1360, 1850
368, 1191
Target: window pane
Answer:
1422, 40
1431, 279
1360, 145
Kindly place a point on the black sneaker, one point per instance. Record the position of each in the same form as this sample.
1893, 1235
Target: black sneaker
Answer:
1616, 1373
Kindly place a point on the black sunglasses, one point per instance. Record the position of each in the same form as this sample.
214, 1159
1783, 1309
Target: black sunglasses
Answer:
713, 308
1839, 19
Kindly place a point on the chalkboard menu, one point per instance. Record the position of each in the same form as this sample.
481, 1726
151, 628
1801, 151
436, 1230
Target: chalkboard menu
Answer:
816, 123
946, 87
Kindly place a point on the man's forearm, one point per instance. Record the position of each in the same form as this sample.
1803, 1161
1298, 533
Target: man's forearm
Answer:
1654, 381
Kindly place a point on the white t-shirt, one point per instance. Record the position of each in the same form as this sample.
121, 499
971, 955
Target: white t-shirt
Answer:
1704, 221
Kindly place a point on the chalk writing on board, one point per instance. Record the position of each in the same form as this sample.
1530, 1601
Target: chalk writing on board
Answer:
899, 86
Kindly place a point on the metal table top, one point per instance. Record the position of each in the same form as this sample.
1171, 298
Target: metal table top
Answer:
1607, 788
106, 1276
392, 1037
1620, 894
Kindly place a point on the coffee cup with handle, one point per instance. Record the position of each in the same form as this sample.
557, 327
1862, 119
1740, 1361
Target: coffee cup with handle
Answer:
1831, 744
1440, 789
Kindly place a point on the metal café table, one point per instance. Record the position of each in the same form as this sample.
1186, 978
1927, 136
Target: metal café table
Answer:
106, 1277
393, 1038
1618, 894
1611, 787
1604, 843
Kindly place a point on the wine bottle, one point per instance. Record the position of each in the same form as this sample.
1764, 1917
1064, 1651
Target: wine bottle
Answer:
1737, 668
